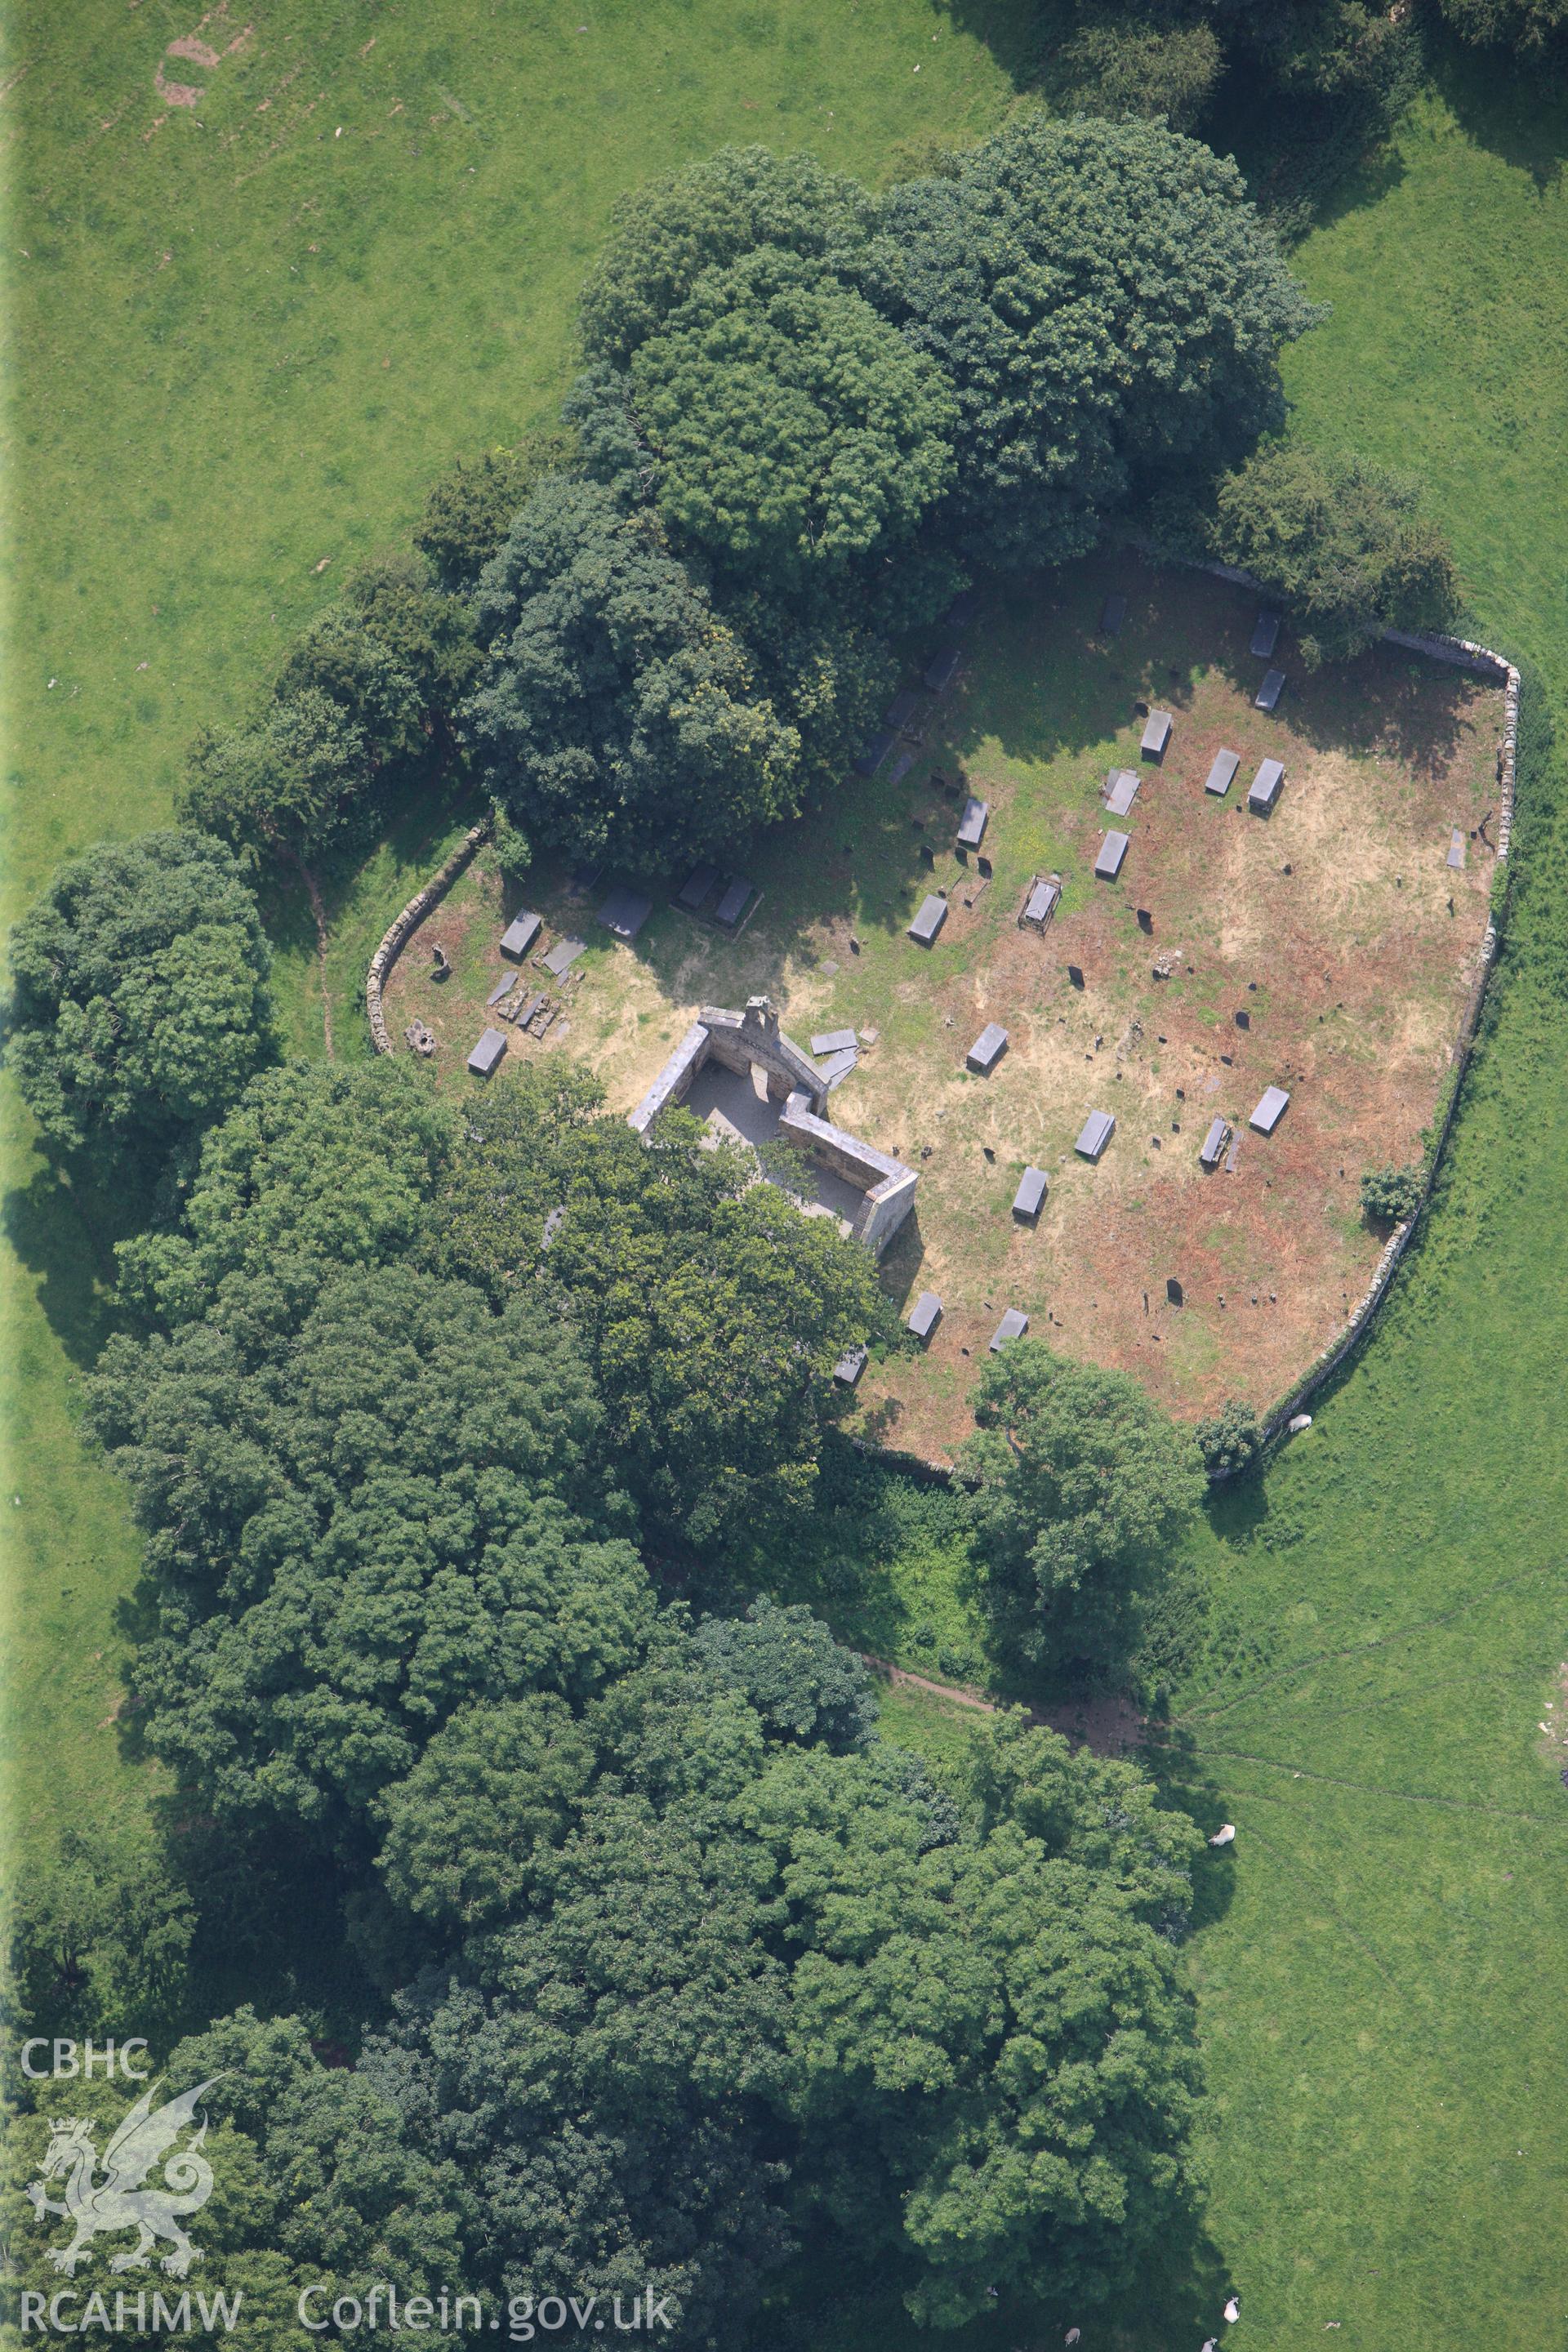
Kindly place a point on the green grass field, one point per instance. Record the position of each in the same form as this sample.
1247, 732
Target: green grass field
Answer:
1380, 1963
243, 344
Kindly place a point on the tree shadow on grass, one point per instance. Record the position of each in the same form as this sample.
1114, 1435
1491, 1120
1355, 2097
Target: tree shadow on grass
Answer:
1044, 681
1014, 31
63, 1226
1514, 106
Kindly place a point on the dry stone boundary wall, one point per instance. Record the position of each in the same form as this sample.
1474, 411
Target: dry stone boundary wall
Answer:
1461, 652
408, 921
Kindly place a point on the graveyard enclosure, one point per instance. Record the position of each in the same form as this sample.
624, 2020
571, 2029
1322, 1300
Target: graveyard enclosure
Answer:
1326, 947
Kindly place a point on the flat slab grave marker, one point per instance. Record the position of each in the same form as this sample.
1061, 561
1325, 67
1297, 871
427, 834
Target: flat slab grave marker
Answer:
1212, 1148
837, 1068
1264, 788
1222, 775
1457, 848
1269, 1110
943, 668
625, 912
1264, 634
875, 752
503, 987
1268, 693
1029, 1198
924, 1316
733, 903
487, 1052
1156, 735
1112, 615
1013, 1326
971, 825
563, 955
1112, 850
693, 892
929, 919
988, 1049
1121, 791
520, 934
1095, 1134
834, 1041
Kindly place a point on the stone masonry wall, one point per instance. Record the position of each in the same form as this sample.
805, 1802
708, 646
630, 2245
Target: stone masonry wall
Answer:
673, 1082
407, 921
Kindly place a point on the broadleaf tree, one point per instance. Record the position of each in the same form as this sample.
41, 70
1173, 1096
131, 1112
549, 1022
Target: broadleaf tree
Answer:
141, 1000
619, 715
1084, 1488
1108, 309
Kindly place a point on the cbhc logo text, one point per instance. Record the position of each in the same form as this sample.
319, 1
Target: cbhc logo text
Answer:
85, 2058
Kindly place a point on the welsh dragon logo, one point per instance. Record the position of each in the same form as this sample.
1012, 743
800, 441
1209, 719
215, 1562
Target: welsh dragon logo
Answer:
98, 2206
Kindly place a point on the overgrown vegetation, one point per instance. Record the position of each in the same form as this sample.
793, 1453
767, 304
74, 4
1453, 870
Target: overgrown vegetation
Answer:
1389, 1195
1345, 544
1379, 1978
668, 1880
1230, 1440
1311, 86
139, 1004
1085, 1488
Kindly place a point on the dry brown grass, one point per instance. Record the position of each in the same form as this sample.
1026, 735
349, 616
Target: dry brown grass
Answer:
1327, 925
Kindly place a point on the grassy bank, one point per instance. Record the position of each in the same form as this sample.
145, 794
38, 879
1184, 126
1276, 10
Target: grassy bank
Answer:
209, 407
246, 335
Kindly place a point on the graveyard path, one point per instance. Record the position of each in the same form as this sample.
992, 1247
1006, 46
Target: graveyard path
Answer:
318, 909
1110, 1727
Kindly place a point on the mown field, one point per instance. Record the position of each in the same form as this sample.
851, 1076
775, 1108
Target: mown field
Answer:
1367, 1642
244, 344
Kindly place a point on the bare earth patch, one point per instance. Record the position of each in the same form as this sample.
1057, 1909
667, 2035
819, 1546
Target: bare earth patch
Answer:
1108, 1725
1552, 1740
1328, 949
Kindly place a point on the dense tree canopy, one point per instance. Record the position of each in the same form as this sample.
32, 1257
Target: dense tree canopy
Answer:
1343, 542
602, 2067
494, 1788
427, 634
712, 1309
470, 509
1084, 1486
1164, 64
98, 1932
351, 1536
316, 1170
289, 781
1390, 1193
787, 1666
341, 658
988, 2047
620, 715
790, 427
1106, 306
1309, 85
139, 1004
1531, 28
665, 236
363, 691
1229, 1441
